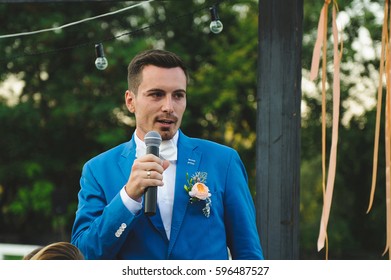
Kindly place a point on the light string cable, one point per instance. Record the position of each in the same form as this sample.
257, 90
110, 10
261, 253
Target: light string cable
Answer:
169, 20
92, 43
73, 23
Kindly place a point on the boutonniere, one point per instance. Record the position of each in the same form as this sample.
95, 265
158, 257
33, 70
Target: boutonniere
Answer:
197, 190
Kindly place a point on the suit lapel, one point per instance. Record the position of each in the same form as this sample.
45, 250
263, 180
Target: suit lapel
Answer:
157, 222
188, 162
125, 163
127, 158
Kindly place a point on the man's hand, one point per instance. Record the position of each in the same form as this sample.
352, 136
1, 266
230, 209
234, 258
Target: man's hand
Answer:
146, 171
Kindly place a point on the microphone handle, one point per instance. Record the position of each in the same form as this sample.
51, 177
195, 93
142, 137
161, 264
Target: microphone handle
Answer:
150, 195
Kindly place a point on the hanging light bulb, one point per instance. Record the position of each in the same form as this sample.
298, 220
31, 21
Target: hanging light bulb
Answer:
100, 61
215, 26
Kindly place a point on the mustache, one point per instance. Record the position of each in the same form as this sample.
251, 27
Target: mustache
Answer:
167, 117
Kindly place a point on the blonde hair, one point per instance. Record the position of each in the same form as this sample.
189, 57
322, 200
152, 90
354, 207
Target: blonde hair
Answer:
58, 251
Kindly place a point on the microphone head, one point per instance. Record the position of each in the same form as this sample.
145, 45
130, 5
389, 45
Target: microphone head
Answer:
152, 138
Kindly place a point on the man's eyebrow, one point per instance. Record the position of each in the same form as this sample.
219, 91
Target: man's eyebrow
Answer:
180, 90
161, 90
155, 89
152, 90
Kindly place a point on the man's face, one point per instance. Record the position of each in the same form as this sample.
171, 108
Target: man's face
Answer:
160, 101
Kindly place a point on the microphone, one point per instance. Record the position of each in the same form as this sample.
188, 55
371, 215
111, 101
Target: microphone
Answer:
152, 142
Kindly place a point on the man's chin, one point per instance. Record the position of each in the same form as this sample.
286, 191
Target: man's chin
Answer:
167, 134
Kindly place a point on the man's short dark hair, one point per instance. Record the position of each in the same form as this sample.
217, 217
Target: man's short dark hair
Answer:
159, 58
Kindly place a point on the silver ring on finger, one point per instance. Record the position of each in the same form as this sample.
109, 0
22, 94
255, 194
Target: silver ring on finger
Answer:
149, 174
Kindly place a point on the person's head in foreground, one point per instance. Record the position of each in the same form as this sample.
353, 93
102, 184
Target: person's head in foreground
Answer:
56, 251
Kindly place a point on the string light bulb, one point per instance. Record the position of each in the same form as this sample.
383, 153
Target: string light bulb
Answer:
216, 26
100, 61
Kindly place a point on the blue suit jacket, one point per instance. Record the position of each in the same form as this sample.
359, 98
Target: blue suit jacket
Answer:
105, 229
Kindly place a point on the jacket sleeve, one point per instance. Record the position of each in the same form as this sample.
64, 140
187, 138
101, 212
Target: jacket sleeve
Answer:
239, 215
100, 226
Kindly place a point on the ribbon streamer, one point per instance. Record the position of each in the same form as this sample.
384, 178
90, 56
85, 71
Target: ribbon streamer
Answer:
329, 186
384, 63
388, 141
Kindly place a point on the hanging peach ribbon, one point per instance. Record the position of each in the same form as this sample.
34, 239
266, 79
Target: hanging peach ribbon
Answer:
378, 108
388, 156
388, 143
384, 62
327, 190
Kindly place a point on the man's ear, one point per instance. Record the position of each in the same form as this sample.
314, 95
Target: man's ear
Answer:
129, 100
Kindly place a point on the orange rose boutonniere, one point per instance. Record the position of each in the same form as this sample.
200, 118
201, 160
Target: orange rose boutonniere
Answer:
197, 190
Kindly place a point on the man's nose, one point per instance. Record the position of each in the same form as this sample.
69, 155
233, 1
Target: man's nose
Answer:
168, 105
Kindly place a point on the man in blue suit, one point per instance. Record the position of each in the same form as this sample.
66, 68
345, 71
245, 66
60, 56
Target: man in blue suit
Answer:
204, 207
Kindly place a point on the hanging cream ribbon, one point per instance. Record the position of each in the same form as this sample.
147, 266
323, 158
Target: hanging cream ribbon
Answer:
327, 190
384, 61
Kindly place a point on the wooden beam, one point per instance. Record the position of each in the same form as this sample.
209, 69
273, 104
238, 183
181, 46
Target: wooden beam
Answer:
278, 127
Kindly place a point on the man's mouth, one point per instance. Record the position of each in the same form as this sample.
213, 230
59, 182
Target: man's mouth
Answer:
165, 121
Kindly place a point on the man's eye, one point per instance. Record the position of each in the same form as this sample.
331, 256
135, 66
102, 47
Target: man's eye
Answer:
157, 94
179, 95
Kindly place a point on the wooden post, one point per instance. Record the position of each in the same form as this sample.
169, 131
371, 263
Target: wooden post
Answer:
278, 127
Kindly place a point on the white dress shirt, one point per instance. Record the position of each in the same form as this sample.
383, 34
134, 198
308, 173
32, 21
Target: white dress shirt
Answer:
165, 195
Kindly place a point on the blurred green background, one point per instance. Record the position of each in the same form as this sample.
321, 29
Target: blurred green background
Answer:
57, 110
